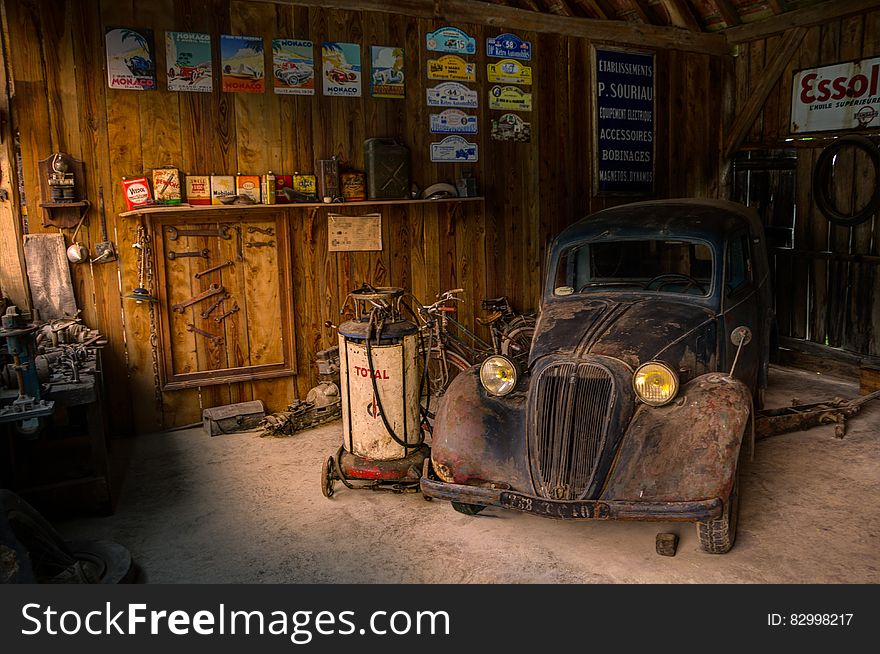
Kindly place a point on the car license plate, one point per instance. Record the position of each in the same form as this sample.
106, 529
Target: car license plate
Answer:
571, 510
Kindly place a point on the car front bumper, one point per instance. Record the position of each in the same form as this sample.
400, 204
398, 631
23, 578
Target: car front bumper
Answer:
689, 511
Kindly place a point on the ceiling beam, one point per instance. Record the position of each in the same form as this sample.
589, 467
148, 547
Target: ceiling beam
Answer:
728, 13
681, 15
813, 15
501, 17
559, 7
596, 8
776, 6
767, 82
639, 11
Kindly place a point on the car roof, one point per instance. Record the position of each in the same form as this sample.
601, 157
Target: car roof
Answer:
708, 220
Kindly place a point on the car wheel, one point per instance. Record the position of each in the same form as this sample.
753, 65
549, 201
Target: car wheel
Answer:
467, 509
718, 536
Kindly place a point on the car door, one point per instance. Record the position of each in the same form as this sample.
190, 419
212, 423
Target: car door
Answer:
740, 307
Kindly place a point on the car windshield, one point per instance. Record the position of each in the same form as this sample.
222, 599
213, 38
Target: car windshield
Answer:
654, 265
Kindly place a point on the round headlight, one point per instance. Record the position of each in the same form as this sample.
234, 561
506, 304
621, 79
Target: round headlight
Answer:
498, 375
655, 383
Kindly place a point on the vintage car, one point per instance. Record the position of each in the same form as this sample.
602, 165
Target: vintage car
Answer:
650, 351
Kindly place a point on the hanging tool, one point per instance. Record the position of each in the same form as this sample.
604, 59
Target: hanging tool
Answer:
260, 244
216, 340
221, 232
213, 289
105, 250
240, 254
204, 272
179, 255
222, 317
269, 231
207, 312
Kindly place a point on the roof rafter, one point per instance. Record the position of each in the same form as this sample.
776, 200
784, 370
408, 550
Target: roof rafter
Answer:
506, 17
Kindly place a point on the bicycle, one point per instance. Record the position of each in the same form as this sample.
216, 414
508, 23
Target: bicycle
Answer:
452, 348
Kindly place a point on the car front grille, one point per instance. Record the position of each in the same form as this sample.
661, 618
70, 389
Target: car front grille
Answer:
570, 411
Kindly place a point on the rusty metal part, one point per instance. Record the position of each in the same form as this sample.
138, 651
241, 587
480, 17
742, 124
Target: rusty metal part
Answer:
223, 316
207, 312
239, 256
221, 232
204, 272
268, 231
800, 417
689, 511
213, 289
217, 340
204, 253
260, 244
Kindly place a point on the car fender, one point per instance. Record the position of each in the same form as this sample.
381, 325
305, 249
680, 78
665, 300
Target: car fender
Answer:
478, 438
686, 450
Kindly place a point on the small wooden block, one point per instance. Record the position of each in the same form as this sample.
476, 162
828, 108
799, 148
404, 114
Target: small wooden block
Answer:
869, 378
667, 544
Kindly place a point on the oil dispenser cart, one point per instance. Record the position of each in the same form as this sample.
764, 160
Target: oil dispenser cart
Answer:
381, 382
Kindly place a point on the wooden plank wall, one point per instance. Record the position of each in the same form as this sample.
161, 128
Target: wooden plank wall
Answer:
826, 299
62, 102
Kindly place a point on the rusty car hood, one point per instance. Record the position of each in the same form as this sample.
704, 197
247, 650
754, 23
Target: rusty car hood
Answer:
634, 330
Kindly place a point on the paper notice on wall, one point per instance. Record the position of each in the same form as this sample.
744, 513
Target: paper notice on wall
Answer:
354, 233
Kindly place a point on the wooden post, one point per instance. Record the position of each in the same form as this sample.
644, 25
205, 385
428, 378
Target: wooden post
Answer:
13, 276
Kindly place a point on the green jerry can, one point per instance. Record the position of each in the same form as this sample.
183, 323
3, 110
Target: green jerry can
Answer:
386, 163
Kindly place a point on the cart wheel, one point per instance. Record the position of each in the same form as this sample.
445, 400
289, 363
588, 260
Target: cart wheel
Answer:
426, 469
327, 478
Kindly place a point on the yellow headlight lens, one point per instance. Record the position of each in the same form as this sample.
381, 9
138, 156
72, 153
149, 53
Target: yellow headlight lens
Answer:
498, 375
655, 383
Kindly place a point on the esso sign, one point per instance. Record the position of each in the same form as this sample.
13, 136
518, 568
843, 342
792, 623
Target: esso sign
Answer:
838, 97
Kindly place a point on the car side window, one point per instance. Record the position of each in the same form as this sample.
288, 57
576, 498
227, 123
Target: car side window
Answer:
739, 263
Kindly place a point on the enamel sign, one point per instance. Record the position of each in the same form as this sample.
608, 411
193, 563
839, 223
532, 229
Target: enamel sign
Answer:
131, 63
293, 67
452, 94
387, 79
451, 39
453, 68
838, 97
511, 127
453, 148
510, 46
453, 121
509, 71
509, 98
188, 57
623, 111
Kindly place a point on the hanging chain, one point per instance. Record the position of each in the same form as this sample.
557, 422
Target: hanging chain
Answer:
145, 266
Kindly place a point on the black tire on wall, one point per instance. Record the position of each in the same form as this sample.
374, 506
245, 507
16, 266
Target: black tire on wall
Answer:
822, 191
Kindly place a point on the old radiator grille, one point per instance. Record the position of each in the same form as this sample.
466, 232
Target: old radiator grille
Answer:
570, 408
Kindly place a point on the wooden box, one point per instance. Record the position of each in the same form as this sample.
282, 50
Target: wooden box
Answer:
231, 418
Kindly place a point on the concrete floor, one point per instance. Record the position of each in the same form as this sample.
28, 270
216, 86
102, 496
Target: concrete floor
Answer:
240, 508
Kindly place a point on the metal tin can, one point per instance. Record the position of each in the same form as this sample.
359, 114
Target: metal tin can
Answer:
354, 187
268, 185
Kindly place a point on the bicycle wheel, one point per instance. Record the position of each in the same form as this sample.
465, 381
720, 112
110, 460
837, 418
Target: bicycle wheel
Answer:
516, 339
440, 375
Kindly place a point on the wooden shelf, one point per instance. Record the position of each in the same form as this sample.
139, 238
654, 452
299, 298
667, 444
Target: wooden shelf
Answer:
188, 208
64, 205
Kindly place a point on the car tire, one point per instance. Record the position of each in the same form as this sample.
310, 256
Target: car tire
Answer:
718, 536
467, 509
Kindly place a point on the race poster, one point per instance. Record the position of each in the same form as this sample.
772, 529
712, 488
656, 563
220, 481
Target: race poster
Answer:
386, 72
242, 64
131, 64
188, 56
293, 67
341, 68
